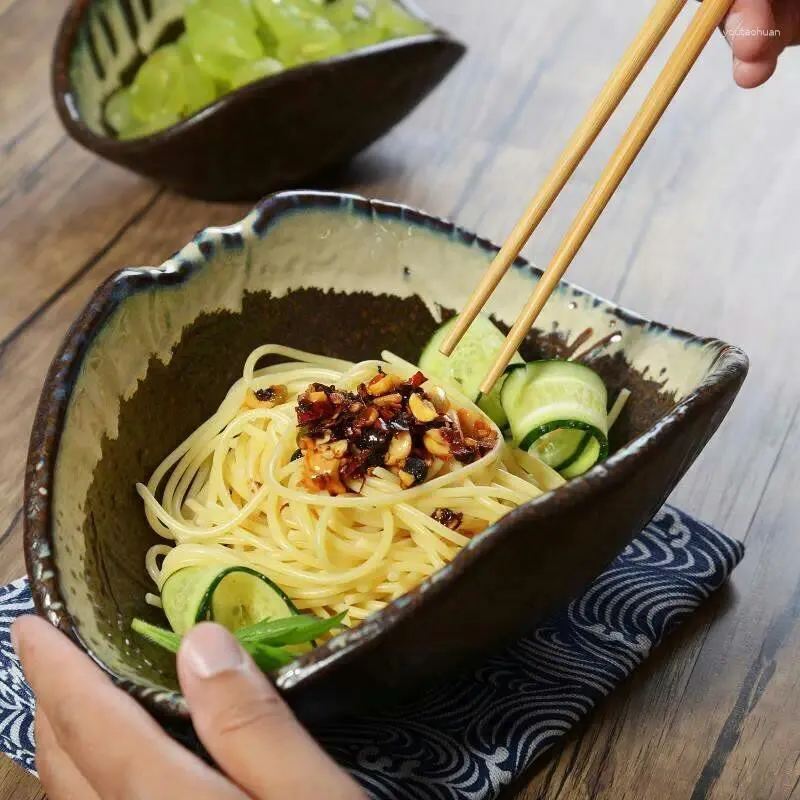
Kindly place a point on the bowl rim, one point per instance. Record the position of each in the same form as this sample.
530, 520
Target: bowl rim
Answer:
723, 379
65, 95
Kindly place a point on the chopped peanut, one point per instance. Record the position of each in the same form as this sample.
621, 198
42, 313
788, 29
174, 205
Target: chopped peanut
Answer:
436, 445
399, 449
438, 397
422, 409
406, 478
389, 400
382, 384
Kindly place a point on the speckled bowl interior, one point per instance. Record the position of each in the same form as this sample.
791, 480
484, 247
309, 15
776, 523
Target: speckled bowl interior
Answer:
112, 41
157, 348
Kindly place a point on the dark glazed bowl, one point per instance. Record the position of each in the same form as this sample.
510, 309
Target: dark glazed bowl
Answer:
155, 351
272, 134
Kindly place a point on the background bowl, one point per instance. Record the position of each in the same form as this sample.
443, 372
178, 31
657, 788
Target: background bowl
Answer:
155, 351
274, 133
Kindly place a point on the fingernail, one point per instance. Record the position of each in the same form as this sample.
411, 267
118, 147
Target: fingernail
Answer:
209, 651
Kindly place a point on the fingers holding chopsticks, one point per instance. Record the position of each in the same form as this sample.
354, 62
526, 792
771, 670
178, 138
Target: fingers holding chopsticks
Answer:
758, 31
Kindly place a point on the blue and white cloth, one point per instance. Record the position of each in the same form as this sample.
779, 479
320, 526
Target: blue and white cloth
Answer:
469, 738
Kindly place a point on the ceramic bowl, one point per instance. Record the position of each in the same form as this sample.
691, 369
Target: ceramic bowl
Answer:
272, 134
156, 349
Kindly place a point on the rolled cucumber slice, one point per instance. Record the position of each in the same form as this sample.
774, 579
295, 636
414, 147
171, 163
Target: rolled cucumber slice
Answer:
233, 596
243, 597
184, 593
557, 412
560, 448
584, 461
466, 368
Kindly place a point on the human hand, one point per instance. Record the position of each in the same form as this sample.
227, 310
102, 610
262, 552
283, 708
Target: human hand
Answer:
758, 31
96, 743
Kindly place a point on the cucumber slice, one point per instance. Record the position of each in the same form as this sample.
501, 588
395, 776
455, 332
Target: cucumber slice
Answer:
466, 368
557, 412
585, 460
244, 597
233, 596
184, 593
560, 448
491, 406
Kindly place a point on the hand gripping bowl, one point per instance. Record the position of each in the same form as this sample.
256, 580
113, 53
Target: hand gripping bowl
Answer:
156, 349
274, 133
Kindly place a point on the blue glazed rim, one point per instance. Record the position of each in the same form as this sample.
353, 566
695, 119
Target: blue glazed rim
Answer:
719, 387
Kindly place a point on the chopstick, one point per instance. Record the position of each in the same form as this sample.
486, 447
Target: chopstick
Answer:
655, 27
706, 20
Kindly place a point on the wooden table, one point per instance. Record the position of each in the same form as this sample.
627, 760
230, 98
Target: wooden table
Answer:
702, 235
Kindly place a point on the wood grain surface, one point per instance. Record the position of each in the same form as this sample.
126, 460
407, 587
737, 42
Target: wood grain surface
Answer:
702, 234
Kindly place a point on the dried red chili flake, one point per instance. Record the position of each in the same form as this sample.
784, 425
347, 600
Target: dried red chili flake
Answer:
463, 450
309, 410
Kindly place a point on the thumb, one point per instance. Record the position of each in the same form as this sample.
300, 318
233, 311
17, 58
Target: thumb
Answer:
248, 729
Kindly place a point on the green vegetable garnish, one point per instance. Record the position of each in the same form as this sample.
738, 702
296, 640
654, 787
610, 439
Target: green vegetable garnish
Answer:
160, 636
269, 658
265, 641
298, 629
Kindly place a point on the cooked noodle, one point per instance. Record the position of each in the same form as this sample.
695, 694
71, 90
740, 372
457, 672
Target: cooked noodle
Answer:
232, 495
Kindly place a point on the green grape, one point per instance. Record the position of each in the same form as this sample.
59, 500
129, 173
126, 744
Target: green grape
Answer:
346, 13
396, 21
119, 114
155, 124
319, 40
269, 40
158, 87
285, 21
255, 70
231, 43
309, 8
185, 49
355, 20
301, 34
362, 35
220, 47
200, 90
238, 12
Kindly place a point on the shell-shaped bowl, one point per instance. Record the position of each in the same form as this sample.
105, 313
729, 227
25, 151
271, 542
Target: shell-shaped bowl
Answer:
272, 134
156, 349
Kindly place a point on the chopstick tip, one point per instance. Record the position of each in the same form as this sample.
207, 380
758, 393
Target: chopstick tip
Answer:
451, 341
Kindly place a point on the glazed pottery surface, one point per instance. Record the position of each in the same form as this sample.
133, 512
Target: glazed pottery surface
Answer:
156, 349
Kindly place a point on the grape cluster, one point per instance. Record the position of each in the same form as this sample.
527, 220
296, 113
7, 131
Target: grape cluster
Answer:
230, 43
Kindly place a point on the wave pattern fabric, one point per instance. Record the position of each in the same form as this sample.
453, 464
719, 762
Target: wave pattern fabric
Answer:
470, 737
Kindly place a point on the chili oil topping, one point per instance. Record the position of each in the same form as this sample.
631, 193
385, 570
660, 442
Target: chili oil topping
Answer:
388, 422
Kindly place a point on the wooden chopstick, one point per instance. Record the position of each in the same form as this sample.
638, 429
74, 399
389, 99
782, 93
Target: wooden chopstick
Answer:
707, 19
691, 44
655, 27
